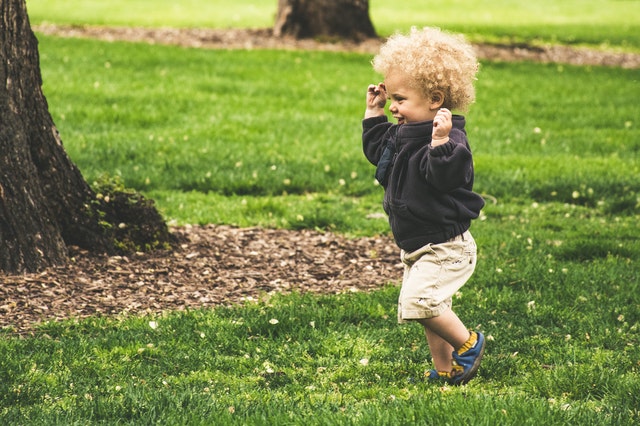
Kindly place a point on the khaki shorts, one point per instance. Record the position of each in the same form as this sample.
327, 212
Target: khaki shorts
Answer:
433, 274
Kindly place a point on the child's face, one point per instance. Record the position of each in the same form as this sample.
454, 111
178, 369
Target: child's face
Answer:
408, 104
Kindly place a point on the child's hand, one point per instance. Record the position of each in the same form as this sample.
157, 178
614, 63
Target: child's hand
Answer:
441, 127
376, 100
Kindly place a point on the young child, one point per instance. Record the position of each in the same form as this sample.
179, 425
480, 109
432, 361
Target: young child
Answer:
425, 166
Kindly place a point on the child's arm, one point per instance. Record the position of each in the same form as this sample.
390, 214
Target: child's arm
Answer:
441, 127
376, 100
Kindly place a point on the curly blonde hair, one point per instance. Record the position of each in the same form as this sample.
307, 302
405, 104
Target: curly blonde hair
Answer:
435, 60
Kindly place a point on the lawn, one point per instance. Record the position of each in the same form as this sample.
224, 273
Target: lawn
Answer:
272, 138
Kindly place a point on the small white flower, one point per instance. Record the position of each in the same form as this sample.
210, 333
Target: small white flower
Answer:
531, 305
364, 361
273, 321
153, 324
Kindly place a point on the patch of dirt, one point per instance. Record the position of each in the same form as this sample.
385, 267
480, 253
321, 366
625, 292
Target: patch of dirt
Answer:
213, 265
264, 39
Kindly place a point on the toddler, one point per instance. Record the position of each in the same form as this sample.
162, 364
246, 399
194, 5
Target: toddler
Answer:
425, 166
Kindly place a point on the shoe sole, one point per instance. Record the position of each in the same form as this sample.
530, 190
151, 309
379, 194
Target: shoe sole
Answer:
471, 373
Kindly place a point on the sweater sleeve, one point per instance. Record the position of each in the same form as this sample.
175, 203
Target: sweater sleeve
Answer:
374, 131
450, 166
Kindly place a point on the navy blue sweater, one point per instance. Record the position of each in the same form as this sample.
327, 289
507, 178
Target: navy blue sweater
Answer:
428, 191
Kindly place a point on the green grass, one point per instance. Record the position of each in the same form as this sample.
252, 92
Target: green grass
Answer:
601, 23
563, 344
272, 138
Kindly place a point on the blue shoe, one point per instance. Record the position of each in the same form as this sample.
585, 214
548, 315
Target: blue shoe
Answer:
466, 360
437, 376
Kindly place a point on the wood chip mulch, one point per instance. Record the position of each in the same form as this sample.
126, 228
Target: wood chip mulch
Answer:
213, 266
263, 38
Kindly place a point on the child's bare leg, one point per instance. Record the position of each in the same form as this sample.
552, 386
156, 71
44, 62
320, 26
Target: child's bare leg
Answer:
440, 351
444, 333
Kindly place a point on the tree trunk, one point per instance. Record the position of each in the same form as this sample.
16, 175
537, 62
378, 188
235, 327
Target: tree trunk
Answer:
329, 19
45, 203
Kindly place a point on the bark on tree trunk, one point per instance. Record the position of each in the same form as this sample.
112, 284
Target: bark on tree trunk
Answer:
343, 19
45, 203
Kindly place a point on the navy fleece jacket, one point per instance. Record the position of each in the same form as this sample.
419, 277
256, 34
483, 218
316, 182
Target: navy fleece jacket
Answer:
428, 191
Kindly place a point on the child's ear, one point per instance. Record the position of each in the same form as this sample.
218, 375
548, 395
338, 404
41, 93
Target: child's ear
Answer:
437, 99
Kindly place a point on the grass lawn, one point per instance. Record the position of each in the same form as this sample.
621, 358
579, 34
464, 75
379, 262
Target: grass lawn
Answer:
272, 138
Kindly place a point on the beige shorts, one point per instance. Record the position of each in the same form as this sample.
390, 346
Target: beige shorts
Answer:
433, 274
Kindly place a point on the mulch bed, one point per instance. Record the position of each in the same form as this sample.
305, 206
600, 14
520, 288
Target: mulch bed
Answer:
213, 266
263, 38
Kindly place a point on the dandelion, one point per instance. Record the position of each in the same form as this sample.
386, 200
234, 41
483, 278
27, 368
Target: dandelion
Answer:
575, 194
537, 130
354, 175
287, 182
342, 182
621, 318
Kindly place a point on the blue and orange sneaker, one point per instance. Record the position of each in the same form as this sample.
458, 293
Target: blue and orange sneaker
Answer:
466, 360
437, 376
